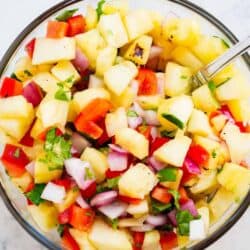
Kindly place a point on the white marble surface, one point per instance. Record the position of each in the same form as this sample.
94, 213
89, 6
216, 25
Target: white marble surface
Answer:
16, 14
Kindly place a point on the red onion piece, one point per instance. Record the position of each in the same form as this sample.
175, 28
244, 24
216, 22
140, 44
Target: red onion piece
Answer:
33, 93
117, 161
190, 206
31, 168
117, 149
160, 84
150, 117
172, 217
154, 133
114, 210
137, 108
143, 228
134, 85
155, 164
54, 193
103, 199
79, 142
81, 202
155, 51
81, 62
191, 167
134, 122
157, 220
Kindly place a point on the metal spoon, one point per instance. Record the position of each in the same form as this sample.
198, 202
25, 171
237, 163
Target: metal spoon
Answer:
204, 75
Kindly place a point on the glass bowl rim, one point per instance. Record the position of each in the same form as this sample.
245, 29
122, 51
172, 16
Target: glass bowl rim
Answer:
7, 56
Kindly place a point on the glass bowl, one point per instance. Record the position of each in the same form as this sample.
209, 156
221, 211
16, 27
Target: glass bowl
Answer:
15, 201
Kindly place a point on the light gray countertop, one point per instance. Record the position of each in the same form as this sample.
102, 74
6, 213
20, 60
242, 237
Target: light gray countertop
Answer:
16, 14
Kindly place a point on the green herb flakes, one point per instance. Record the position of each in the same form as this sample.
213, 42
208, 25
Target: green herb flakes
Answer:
99, 10
183, 219
158, 207
132, 113
167, 174
176, 196
173, 119
64, 16
35, 195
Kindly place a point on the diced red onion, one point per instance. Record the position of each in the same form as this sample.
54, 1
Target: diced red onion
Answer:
117, 161
31, 168
73, 151
143, 228
53, 193
154, 133
172, 217
190, 206
81, 202
114, 210
33, 93
191, 167
157, 165
103, 198
134, 86
87, 183
160, 84
137, 108
79, 142
153, 63
95, 82
81, 62
155, 51
117, 149
150, 117
157, 220
134, 122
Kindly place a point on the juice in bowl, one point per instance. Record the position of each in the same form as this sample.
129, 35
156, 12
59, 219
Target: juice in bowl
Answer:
104, 136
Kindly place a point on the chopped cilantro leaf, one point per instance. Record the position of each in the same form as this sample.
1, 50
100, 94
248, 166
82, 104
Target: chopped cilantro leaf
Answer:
62, 95
167, 174
13, 76
214, 154
60, 229
113, 183
27, 72
132, 113
226, 44
64, 16
114, 223
158, 207
88, 174
173, 119
211, 85
183, 219
176, 196
104, 150
17, 153
101, 188
169, 134
99, 10
35, 195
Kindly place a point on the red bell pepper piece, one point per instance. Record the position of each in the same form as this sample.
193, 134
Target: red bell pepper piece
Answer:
138, 238
68, 242
10, 87
161, 194
57, 29
81, 218
168, 240
147, 82
66, 183
183, 195
30, 187
90, 191
63, 217
157, 143
14, 160
27, 140
104, 137
129, 199
146, 131
29, 47
88, 128
76, 25
198, 154
113, 174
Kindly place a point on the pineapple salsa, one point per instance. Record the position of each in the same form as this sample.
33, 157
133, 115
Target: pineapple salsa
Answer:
108, 141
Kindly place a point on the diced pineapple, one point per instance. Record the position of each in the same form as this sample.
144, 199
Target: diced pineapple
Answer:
72, 114
182, 241
149, 102
138, 51
83, 98
182, 31
152, 241
130, 186
240, 109
131, 222
46, 81
177, 80
98, 162
227, 73
4, 138
137, 210
116, 121
218, 122
104, 237
220, 203
95, 82
91, 18
45, 215
180, 107
133, 141
186, 58
174, 184
112, 29
65, 70
53, 112
125, 99
44, 68
203, 99
167, 152
90, 43
138, 22
118, 77
24, 69
199, 124
235, 179
113, 6
23, 182
49, 50
205, 216
82, 239
37, 129
32, 152
105, 60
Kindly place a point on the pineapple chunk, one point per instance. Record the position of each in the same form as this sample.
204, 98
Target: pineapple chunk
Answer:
37, 129
125, 99
168, 152
24, 69
133, 141
23, 182
118, 77
49, 50
138, 51
116, 121
180, 107
205, 216
137, 210
72, 114
199, 124
91, 18
98, 162
90, 43
113, 6
150, 102
240, 109
130, 186
181, 31
104, 237
46, 81
32, 152
45, 215
174, 184
95, 82
83, 98
218, 122
138, 22
235, 179
131, 222
82, 239
203, 99
152, 241
4, 138
177, 80
186, 58
105, 60
65, 70
225, 74
112, 29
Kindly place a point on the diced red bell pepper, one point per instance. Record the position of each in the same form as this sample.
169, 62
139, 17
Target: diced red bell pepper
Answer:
63, 217
66, 183
30, 187
198, 154
10, 87
27, 140
89, 128
57, 29
157, 143
43, 135
76, 25
146, 131
68, 242
129, 199
147, 82
29, 47
113, 174
183, 195
14, 160
168, 240
104, 137
138, 238
90, 191
81, 218
161, 194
